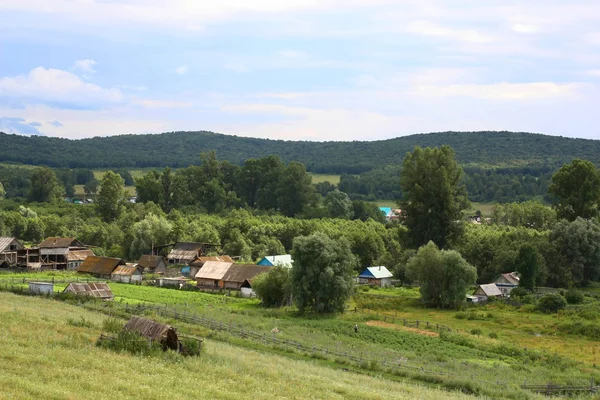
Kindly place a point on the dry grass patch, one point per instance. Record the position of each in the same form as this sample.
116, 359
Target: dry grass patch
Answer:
388, 325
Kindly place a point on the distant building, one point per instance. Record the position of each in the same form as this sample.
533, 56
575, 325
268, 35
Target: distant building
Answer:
238, 274
99, 290
100, 267
9, 247
184, 252
484, 292
379, 276
211, 274
199, 262
507, 282
127, 274
53, 253
76, 257
152, 264
41, 287
284, 260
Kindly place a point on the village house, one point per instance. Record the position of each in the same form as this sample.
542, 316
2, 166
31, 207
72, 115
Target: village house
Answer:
185, 252
9, 246
211, 274
199, 262
507, 282
240, 274
487, 291
152, 264
100, 290
100, 267
284, 260
76, 257
378, 276
127, 274
53, 253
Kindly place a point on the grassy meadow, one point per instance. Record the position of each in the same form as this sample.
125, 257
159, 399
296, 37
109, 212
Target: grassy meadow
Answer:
333, 179
48, 350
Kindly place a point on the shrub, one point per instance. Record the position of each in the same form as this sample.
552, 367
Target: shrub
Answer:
574, 296
551, 303
476, 331
82, 322
519, 293
131, 342
273, 287
493, 335
191, 347
112, 325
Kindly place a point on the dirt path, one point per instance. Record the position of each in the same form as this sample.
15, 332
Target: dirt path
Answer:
382, 324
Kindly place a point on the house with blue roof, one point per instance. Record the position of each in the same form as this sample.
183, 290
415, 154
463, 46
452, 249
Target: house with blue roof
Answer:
378, 276
284, 260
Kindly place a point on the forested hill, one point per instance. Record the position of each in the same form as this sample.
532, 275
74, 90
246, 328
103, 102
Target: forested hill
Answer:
179, 149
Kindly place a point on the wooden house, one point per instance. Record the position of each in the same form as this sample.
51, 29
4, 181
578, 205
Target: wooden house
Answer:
378, 276
54, 252
211, 274
100, 267
484, 292
76, 257
127, 274
507, 282
284, 260
100, 290
185, 252
9, 247
199, 262
152, 264
240, 274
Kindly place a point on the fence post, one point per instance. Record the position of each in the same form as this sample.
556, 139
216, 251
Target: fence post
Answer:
417, 323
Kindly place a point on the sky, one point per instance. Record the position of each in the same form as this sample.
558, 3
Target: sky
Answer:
299, 69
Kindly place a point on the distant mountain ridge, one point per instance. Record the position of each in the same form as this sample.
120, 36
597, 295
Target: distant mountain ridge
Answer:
180, 149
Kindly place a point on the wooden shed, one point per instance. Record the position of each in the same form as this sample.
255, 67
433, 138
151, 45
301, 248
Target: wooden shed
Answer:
211, 274
101, 267
155, 331
484, 292
127, 274
199, 262
152, 264
99, 290
237, 274
76, 257
184, 252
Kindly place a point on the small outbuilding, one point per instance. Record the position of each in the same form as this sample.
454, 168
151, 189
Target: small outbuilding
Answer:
99, 290
101, 267
238, 274
199, 262
378, 276
127, 274
155, 331
174, 282
76, 257
284, 260
211, 274
41, 287
484, 292
152, 264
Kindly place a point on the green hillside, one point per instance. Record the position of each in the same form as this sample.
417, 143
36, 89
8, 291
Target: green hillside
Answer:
179, 149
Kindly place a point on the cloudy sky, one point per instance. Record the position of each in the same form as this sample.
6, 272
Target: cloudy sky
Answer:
299, 69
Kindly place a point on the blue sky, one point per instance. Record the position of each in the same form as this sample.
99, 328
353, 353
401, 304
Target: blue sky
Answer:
299, 69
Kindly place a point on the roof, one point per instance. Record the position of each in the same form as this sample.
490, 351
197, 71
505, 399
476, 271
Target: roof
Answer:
200, 261
150, 262
100, 265
386, 210
213, 270
188, 246
162, 333
283, 259
243, 272
79, 255
490, 290
99, 289
376, 273
6, 241
125, 270
183, 254
58, 242
510, 277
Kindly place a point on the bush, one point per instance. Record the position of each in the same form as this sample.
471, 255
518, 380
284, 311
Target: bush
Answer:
519, 293
551, 303
191, 347
574, 296
273, 287
112, 325
476, 331
131, 342
493, 335
82, 322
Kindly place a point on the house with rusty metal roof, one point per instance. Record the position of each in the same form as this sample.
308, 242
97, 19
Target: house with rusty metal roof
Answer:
99, 290
54, 252
9, 247
199, 262
76, 257
185, 252
128, 273
211, 274
101, 267
237, 274
507, 282
152, 264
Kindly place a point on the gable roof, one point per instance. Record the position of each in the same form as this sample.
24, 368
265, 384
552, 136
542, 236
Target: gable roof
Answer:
125, 270
79, 255
100, 265
242, 272
161, 333
511, 278
5, 242
200, 261
187, 246
282, 259
59, 242
489, 290
376, 273
213, 270
151, 262
97, 289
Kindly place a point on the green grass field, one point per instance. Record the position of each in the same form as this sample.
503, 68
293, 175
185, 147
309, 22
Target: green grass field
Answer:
45, 356
333, 179
79, 191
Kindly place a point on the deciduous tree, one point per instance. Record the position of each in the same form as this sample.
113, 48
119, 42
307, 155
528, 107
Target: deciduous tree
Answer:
111, 198
576, 190
44, 186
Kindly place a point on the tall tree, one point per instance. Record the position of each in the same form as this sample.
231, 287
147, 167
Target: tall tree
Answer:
433, 196
576, 190
274, 288
575, 257
111, 198
2, 192
44, 186
528, 263
444, 276
151, 231
339, 205
295, 190
322, 276
91, 187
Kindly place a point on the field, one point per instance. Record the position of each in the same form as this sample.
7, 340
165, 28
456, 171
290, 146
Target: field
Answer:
333, 179
56, 340
490, 350
130, 190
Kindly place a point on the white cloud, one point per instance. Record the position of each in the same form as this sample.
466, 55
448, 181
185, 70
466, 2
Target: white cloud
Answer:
182, 70
595, 72
428, 28
504, 91
86, 66
153, 104
523, 28
57, 87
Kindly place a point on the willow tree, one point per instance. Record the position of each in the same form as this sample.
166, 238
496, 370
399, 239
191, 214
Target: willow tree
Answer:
433, 196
